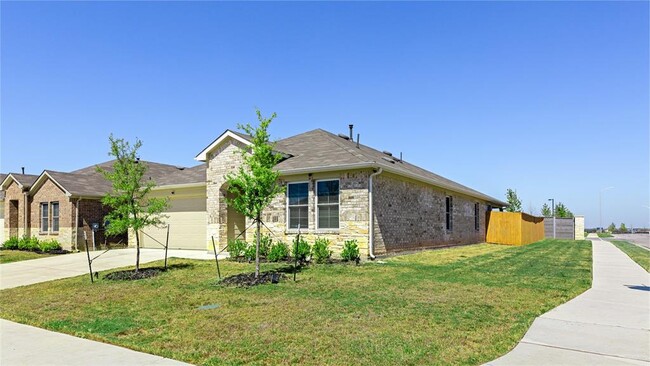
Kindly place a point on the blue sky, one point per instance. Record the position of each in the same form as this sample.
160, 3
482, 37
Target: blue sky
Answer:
548, 98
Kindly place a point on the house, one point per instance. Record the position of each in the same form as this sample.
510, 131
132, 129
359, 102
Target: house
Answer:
336, 188
341, 190
65, 205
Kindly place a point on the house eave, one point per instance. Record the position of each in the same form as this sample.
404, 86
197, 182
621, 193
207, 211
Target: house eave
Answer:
203, 155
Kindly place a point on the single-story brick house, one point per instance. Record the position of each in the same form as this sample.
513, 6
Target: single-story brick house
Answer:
336, 188
64, 205
339, 189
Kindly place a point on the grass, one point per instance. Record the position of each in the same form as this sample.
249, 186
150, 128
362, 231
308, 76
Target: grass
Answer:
465, 305
639, 255
8, 256
605, 235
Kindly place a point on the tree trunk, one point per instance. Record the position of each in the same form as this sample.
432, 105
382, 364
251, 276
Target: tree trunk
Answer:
137, 251
257, 249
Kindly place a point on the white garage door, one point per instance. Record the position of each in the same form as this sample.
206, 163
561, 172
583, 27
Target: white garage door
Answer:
2, 222
187, 221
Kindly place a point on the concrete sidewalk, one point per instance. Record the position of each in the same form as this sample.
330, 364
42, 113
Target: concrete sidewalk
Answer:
26, 345
608, 324
69, 265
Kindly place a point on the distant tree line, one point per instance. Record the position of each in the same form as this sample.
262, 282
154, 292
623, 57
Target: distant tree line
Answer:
514, 205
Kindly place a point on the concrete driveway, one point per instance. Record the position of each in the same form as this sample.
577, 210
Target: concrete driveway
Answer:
69, 265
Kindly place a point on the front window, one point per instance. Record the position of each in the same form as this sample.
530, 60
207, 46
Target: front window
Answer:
298, 201
44, 217
55, 216
327, 192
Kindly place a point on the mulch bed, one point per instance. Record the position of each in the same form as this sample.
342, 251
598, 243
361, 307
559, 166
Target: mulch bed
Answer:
248, 279
131, 275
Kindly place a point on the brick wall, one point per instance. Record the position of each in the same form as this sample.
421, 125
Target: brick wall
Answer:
92, 211
411, 215
15, 215
48, 193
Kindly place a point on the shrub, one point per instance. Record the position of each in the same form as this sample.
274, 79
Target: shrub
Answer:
48, 245
28, 244
236, 248
350, 250
320, 251
279, 251
301, 249
265, 245
249, 253
11, 243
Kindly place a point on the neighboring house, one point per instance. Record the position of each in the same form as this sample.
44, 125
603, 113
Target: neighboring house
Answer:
341, 190
64, 206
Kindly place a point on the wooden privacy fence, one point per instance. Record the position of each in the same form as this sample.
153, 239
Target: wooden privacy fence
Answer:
514, 228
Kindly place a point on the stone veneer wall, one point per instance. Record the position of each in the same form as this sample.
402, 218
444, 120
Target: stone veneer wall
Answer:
411, 215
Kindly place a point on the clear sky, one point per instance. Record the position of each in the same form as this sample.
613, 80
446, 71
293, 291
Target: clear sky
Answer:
548, 98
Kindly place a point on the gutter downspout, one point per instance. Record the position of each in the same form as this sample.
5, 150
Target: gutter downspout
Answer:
76, 225
26, 229
371, 220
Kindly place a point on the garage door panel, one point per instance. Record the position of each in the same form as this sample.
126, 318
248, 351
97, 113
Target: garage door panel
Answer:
187, 221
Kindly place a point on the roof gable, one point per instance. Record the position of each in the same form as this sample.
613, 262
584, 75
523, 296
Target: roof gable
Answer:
24, 181
228, 134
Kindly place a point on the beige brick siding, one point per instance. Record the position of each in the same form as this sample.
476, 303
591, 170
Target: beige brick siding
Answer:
15, 216
49, 192
411, 215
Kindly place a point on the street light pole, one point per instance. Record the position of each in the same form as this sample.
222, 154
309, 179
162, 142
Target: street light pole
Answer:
600, 206
553, 211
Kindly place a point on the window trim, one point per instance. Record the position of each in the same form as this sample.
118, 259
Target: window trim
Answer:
449, 213
58, 217
287, 205
45, 205
328, 204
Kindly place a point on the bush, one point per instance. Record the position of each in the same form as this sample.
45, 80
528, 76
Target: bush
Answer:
265, 245
48, 245
236, 248
249, 253
28, 244
320, 253
350, 250
302, 250
11, 243
279, 251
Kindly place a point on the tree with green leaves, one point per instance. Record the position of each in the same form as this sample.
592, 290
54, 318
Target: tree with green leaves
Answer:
131, 208
622, 228
611, 227
562, 211
514, 203
546, 210
255, 184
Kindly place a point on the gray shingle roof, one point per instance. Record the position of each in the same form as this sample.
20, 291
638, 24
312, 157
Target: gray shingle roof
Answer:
319, 150
26, 180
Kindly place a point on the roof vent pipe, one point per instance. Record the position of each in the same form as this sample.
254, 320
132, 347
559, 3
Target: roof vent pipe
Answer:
400, 156
351, 132
358, 140
23, 169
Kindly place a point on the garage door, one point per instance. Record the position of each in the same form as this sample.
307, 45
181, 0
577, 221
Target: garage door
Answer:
187, 221
2, 222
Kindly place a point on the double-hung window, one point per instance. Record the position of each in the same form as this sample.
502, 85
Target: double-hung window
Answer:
449, 213
327, 193
298, 205
55, 216
476, 217
44, 216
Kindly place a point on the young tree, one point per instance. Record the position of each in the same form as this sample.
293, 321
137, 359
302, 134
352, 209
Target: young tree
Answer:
546, 210
623, 228
562, 211
611, 227
514, 204
256, 182
130, 206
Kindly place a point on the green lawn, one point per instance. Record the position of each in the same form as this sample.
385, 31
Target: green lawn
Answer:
639, 255
605, 235
465, 305
8, 256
